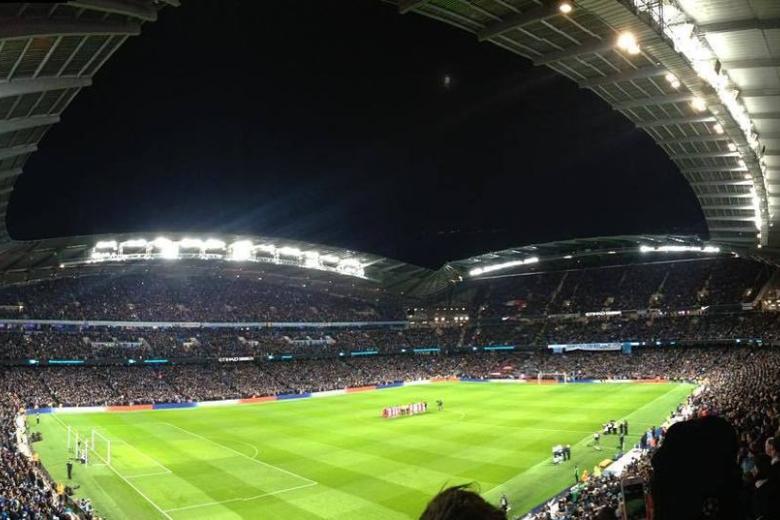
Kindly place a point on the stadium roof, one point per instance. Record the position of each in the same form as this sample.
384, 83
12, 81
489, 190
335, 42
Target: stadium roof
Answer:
597, 248
48, 53
34, 259
702, 78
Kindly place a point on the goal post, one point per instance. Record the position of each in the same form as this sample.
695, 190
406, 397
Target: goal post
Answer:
558, 377
100, 445
73, 440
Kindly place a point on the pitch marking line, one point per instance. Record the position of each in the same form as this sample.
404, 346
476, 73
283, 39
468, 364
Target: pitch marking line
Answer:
206, 504
166, 471
109, 466
244, 455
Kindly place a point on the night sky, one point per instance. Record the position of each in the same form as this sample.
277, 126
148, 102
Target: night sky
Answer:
333, 122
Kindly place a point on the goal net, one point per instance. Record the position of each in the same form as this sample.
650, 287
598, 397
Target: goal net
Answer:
550, 377
100, 446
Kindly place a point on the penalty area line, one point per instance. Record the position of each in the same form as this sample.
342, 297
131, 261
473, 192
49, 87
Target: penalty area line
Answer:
247, 499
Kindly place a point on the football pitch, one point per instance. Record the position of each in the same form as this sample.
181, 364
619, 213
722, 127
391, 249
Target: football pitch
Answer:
336, 457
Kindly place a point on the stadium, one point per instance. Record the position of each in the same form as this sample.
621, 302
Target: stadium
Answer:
164, 374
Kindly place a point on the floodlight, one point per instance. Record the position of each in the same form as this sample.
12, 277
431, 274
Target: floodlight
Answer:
732, 147
169, 249
241, 250
627, 42
565, 7
698, 104
290, 251
718, 128
106, 244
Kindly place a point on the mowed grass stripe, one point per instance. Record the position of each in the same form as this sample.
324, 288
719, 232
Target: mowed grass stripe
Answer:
498, 436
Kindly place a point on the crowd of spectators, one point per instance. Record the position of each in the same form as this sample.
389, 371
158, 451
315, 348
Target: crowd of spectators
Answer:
160, 297
25, 490
90, 343
667, 286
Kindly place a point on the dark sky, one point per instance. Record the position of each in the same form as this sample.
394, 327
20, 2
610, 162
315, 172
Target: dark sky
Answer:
330, 122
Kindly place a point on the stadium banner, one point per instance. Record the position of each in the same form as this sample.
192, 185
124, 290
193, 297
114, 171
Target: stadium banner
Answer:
129, 408
516, 381
587, 347
47, 409
328, 393
172, 406
235, 359
418, 382
254, 400
356, 389
473, 380
451, 379
284, 397
77, 409
224, 402
390, 385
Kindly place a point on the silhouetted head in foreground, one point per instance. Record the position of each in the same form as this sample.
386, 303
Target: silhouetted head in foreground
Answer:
460, 503
695, 475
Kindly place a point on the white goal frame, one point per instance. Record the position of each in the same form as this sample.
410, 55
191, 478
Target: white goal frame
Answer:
97, 434
561, 377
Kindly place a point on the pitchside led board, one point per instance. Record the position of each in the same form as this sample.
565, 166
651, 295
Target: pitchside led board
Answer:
624, 347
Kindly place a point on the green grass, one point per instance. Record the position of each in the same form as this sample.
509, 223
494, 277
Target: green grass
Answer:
336, 458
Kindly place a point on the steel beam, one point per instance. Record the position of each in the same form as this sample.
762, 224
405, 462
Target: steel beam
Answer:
516, 21
676, 121
760, 92
695, 139
654, 100
739, 25
22, 28
13, 151
618, 77
729, 206
10, 174
23, 123
123, 7
590, 46
28, 86
751, 63
722, 183
404, 6
746, 229
703, 155
765, 115
713, 169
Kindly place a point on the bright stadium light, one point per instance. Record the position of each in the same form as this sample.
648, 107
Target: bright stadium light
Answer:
240, 251
678, 249
718, 128
330, 259
169, 249
698, 104
627, 42
732, 147
565, 7
290, 251
134, 243
106, 244
505, 265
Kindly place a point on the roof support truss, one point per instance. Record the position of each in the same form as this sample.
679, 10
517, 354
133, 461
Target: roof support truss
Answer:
123, 7
13, 151
676, 121
644, 72
27, 86
519, 20
22, 28
654, 100
23, 123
